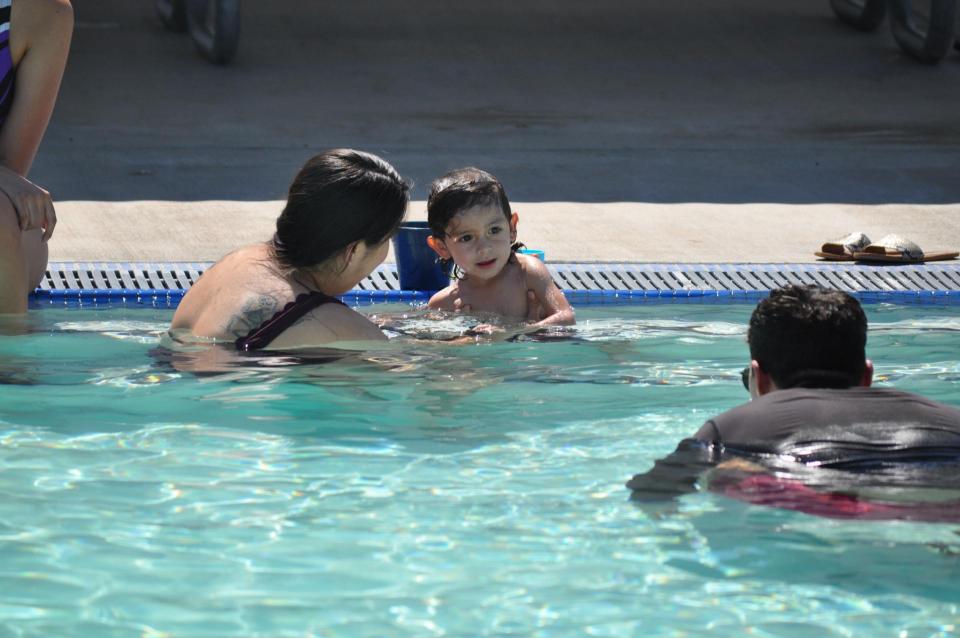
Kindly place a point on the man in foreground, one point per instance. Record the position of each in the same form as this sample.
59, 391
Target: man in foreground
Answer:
813, 412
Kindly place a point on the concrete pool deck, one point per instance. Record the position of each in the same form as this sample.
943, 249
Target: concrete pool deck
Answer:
565, 231
624, 130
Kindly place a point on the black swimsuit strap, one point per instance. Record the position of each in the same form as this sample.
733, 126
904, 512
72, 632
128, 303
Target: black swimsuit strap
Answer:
261, 336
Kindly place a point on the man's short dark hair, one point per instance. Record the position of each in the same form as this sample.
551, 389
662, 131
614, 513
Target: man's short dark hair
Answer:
807, 336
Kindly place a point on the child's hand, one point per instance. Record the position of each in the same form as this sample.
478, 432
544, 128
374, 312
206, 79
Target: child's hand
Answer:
459, 306
533, 316
484, 329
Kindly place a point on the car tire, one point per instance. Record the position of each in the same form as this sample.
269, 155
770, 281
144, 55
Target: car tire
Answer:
172, 14
865, 15
926, 40
215, 28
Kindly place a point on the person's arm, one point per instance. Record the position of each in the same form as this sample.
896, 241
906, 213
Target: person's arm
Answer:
554, 310
679, 472
40, 35
39, 42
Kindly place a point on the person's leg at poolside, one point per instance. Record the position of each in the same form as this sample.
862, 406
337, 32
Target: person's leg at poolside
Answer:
23, 260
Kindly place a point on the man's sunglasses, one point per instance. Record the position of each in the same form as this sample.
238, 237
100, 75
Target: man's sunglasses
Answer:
745, 377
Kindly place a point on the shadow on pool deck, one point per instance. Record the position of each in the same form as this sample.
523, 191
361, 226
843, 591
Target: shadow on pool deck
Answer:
789, 126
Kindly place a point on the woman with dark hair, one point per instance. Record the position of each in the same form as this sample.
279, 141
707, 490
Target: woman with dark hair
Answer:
342, 209
34, 42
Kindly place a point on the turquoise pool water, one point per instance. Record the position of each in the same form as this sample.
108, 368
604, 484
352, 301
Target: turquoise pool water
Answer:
431, 490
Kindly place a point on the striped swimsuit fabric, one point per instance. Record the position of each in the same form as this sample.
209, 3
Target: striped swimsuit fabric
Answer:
7, 72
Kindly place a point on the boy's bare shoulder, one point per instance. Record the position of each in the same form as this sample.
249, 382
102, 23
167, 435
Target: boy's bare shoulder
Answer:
535, 270
532, 264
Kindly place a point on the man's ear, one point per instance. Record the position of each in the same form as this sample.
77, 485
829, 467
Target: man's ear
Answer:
760, 383
514, 218
867, 379
438, 247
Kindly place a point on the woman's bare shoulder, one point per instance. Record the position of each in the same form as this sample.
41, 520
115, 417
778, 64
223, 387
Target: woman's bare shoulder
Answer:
249, 265
233, 296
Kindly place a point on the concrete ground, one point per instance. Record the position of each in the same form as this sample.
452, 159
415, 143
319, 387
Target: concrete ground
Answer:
688, 131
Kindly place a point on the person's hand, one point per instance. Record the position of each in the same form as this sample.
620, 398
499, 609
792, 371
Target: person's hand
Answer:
480, 328
33, 205
484, 329
500, 333
459, 306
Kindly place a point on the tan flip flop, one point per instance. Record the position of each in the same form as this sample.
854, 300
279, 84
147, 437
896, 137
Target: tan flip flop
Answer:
843, 249
896, 249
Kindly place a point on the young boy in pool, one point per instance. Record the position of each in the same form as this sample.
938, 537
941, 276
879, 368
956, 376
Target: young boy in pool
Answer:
471, 223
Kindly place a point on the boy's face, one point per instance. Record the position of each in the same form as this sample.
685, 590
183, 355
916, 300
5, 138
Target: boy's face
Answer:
478, 239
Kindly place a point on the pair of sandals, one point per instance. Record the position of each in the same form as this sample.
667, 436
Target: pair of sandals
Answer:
890, 249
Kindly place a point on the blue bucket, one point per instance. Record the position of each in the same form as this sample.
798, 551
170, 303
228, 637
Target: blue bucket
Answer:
533, 252
417, 264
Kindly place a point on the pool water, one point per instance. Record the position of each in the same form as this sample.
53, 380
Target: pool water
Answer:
425, 489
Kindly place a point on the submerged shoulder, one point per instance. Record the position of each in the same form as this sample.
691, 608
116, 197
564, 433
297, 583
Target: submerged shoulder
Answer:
329, 323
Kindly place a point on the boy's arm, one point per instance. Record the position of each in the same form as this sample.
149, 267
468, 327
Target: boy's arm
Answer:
555, 309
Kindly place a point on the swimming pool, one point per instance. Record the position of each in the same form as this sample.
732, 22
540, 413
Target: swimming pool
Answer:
425, 489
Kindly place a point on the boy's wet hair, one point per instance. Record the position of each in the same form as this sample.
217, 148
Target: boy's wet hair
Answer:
338, 197
460, 190
807, 336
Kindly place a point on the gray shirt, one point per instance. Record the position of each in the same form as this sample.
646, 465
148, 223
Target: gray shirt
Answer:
827, 426
849, 429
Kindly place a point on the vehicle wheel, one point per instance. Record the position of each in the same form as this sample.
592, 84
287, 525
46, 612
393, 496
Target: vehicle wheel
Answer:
924, 28
215, 28
865, 15
956, 33
173, 14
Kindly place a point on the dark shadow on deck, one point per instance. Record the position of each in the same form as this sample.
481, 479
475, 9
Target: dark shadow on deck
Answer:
613, 100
